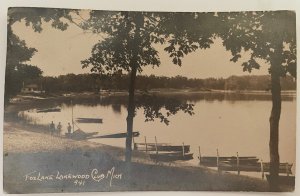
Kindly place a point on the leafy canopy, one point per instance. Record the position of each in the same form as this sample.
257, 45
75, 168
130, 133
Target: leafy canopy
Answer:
269, 35
115, 52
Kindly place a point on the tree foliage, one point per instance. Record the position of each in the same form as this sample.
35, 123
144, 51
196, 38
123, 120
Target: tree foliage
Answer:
269, 35
19, 54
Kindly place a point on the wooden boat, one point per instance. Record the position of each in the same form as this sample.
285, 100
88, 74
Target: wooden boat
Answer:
80, 135
284, 180
161, 147
254, 167
211, 161
49, 110
249, 163
171, 156
116, 135
89, 120
283, 167
242, 167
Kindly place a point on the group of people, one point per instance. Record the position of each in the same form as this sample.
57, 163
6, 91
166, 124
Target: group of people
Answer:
58, 129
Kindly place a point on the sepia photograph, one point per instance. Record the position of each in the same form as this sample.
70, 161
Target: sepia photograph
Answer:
110, 101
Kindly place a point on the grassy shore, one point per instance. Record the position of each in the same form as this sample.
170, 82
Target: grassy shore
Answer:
31, 155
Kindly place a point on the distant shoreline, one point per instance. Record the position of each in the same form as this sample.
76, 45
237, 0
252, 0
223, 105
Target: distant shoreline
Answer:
26, 100
152, 91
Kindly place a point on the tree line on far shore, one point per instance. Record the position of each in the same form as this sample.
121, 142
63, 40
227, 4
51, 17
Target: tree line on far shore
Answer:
96, 82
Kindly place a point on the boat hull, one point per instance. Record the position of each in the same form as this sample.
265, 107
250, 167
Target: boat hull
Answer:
167, 157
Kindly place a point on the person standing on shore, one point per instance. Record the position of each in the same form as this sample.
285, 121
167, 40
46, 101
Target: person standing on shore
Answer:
69, 128
52, 128
59, 126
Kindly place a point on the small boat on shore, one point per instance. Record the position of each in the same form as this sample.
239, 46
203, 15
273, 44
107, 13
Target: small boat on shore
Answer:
49, 110
171, 156
115, 135
253, 167
211, 161
248, 163
161, 147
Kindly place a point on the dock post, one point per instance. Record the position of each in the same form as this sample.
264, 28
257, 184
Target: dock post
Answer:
146, 145
156, 160
238, 163
156, 146
72, 116
183, 153
199, 156
218, 160
133, 139
262, 169
287, 168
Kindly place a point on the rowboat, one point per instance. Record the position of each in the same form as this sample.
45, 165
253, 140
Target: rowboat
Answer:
161, 147
49, 110
248, 163
254, 167
115, 135
171, 156
89, 120
211, 161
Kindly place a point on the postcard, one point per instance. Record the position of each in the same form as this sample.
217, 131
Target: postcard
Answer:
108, 100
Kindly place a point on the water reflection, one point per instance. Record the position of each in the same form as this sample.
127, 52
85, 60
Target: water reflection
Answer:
116, 108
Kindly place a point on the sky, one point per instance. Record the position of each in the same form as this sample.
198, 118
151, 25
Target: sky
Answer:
60, 52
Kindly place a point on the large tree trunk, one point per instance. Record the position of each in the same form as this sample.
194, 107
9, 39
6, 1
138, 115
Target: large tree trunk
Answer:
130, 116
274, 130
138, 21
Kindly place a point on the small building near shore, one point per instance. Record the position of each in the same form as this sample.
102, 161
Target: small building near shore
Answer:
31, 88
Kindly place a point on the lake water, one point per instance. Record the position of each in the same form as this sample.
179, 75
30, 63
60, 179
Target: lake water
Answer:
228, 122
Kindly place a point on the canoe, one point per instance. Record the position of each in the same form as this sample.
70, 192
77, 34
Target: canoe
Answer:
226, 166
283, 167
233, 167
89, 120
173, 156
116, 135
212, 161
250, 164
49, 110
161, 147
